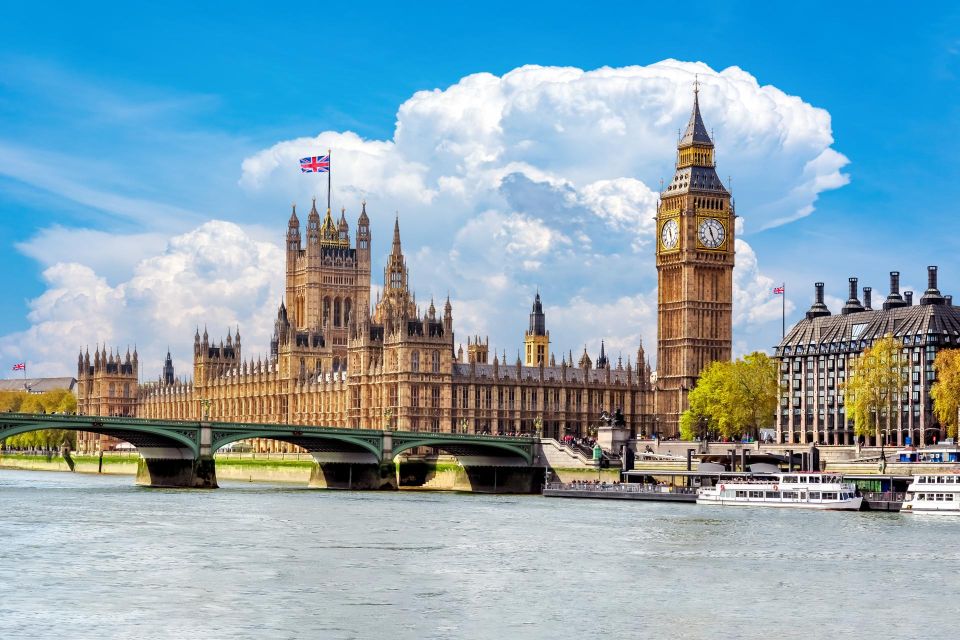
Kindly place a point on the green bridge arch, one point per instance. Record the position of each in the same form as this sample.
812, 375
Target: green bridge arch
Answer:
478, 445
126, 429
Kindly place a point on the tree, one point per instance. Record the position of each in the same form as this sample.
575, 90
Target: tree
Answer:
876, 378
732, 398
946, 390
56, 401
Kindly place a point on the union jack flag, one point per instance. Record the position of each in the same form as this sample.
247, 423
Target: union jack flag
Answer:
315, 164
20, 366
778, 290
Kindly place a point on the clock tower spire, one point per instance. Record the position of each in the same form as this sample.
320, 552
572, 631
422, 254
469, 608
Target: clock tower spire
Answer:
695, 255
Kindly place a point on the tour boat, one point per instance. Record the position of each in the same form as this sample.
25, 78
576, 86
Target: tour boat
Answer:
797, 490
938, 494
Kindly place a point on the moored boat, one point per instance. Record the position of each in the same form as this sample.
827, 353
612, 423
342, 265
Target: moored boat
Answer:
933, 493
792, 490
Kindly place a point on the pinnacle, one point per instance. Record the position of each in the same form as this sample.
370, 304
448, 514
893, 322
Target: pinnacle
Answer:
696, 131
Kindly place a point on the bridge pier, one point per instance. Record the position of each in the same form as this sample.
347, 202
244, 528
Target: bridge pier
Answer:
358, 471
166, 469
351, 475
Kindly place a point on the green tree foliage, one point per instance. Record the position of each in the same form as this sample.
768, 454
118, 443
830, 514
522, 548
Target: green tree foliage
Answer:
946, 390
876, 378
732, 399
56, 401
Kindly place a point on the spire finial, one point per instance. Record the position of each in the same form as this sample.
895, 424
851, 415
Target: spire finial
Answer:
696, 85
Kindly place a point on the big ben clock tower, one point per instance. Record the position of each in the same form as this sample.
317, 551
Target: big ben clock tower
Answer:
695, 229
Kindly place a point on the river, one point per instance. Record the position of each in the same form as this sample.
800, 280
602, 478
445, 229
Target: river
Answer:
88, 556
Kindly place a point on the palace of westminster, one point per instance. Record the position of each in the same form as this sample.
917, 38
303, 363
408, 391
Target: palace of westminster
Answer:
338, 360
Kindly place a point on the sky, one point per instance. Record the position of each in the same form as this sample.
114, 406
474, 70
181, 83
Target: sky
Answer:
148, 160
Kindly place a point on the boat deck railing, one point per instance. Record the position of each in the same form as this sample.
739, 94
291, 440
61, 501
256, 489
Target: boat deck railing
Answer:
627, 487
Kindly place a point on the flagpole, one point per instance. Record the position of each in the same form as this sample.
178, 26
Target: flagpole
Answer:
329, 171
783, 312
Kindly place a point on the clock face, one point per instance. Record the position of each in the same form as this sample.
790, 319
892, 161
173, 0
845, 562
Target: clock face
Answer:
711, 233
669, 234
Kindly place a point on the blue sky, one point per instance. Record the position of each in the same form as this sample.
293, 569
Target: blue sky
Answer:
122, 127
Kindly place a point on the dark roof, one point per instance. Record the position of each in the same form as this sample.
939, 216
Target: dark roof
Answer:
696, 131
696, 179
849, 332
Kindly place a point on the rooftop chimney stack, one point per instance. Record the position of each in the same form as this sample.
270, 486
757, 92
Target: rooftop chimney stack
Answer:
932, 294
853, 304
894, 300
819, 309
908, 297
948, 300
867, 294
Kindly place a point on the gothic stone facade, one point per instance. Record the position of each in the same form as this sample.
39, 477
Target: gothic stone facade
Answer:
334, 362
816, 354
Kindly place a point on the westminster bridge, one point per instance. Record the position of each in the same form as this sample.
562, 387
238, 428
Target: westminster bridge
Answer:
177, 453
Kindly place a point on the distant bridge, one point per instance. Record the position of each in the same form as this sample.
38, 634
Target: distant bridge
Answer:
180, 453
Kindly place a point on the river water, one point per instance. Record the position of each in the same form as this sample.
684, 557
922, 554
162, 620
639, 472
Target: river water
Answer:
96, 557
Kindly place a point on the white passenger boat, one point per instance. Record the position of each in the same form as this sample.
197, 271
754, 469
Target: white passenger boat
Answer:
933, 493
796, 490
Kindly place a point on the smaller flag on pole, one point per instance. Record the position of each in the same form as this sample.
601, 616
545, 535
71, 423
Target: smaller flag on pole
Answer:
778, 290
315, 164
20, 366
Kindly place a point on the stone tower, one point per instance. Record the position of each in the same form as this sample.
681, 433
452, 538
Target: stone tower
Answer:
695, 255
107, 384
327, 281
536, 340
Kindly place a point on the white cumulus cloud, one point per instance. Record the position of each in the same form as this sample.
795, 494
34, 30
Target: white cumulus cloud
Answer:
215, 275
544, 177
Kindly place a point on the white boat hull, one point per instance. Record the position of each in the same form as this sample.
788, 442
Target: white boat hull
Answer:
852, 504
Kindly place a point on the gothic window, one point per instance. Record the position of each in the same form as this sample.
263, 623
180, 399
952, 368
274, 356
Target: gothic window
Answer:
336, 312
415, 396
112, 390
336, 364
436, 362
347, 308
415, 361
326, 309
435, 397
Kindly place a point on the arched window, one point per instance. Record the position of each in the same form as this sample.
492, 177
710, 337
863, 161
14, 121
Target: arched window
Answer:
347, 308
326, 310
336, 364
336, 313
415, 361
436, 362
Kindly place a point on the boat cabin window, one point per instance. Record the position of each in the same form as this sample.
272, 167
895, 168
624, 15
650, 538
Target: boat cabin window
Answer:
814, 495
939, 497
948, 497
829, 495
789, 478
741, 494
814, 479
756, 494
921, 496
773, 494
